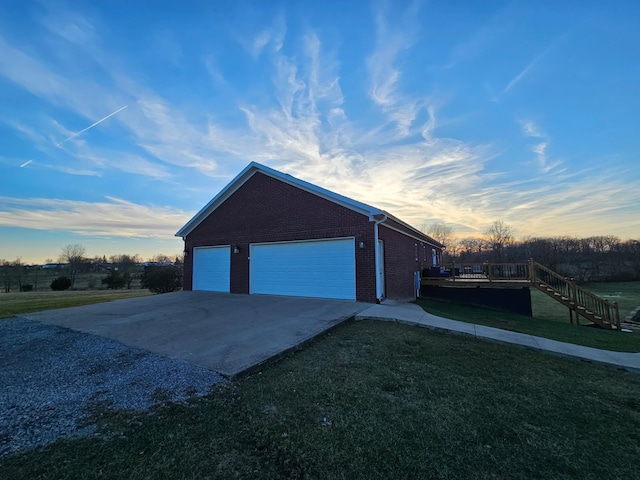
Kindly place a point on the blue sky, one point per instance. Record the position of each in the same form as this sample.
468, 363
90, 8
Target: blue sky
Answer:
120, 120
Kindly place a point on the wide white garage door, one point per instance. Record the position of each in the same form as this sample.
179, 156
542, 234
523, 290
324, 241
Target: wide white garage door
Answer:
319, 268
212, 268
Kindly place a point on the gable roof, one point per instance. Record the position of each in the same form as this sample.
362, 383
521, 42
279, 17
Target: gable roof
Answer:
254, 167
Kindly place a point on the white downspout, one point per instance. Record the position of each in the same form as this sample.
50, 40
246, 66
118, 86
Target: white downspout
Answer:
378, 260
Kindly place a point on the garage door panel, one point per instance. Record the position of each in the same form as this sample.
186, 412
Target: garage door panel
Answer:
312, 269
212, 268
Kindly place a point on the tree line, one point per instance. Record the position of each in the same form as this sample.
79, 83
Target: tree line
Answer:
588, 259
115, 272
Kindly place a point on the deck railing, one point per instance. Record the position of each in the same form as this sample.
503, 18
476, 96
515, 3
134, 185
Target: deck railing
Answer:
582, 301
493, 272
562, 289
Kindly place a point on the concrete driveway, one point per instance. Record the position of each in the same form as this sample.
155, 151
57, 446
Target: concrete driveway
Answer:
229, 334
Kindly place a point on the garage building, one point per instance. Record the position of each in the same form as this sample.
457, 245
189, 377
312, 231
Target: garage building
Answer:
269, 233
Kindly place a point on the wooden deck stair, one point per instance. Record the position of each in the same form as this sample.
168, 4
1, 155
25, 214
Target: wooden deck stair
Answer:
578, 300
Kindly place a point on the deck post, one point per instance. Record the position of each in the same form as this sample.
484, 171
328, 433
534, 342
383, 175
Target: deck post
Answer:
531, 274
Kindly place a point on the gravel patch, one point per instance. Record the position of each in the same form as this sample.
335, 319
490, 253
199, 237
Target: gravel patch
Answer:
54, 379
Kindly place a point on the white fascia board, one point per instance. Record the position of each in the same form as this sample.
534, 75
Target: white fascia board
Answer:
417, 233
255, 167
415, 237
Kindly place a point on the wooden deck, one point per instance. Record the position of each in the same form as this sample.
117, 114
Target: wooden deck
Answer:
579, 301
475, 282
487, 275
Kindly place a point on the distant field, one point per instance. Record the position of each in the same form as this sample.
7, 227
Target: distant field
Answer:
27, 302
41, 279
627, 294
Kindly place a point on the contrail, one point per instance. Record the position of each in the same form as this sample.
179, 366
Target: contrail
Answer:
91, 126
26, 163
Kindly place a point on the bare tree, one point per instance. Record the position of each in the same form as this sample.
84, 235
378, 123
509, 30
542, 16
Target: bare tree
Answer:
5, 266
73, 254
14, 273
20, 273
126, 264
499, 236
442, 233
161, 258
604, 258
471, 249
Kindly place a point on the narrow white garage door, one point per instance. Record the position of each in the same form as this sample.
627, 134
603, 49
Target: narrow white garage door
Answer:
212, 268
318, 268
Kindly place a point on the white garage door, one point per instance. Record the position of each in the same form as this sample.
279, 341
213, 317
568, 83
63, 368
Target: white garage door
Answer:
212, 268
318, 268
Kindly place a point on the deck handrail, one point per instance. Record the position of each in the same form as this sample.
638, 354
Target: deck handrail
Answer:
485, 271
563, 289
583, 300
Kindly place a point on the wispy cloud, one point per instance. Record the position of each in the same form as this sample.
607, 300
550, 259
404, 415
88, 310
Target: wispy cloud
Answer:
530, 129
393, 38
71, 25
159, 130
112, 218
581, 203
295, 118
26, 163
391, 41
272, 36
492, 32
407, 170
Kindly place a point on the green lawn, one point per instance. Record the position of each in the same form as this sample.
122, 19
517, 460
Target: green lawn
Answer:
555, 329
376, 400
26, 302
626, 294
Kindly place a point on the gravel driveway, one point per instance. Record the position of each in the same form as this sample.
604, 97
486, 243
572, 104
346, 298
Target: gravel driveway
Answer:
52, 379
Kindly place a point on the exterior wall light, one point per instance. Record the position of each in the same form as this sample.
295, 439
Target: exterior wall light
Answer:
186, 253
362, 244
236, 249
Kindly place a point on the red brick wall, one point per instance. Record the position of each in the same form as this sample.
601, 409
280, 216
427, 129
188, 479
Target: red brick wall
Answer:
400, 262
265, 209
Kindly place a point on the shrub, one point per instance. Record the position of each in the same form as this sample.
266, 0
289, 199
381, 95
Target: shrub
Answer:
114, 280
92, 282
61, 283
162, 279
26, 287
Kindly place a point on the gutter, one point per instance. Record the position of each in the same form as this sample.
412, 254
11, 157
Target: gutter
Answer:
378, 260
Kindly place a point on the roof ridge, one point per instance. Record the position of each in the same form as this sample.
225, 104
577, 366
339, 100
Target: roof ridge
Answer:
255, 167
